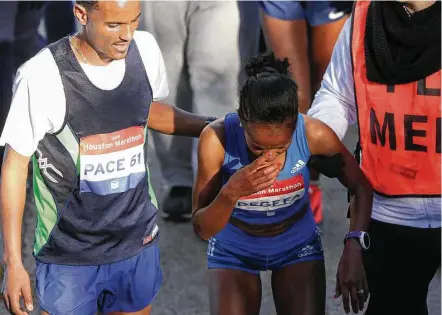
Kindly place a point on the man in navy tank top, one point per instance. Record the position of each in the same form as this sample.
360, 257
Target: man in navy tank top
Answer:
251, 201
81, 110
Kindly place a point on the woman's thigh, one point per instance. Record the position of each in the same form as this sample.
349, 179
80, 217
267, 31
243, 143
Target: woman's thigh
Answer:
234, 292
299, 289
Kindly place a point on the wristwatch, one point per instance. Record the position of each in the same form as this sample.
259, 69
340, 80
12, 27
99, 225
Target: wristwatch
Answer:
363, 237
210, 119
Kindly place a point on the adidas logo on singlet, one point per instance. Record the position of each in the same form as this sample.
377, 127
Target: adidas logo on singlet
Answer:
300, 164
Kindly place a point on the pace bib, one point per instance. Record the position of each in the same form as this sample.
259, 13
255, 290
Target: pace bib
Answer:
112, 162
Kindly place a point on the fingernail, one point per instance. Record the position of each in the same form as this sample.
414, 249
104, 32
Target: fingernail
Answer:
30, 307
270, 154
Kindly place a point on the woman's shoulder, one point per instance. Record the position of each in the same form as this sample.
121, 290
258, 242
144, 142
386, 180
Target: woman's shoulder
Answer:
213, 136
320, 137
314, 128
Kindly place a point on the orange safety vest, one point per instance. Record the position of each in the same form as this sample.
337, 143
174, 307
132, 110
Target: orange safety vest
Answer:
399, 126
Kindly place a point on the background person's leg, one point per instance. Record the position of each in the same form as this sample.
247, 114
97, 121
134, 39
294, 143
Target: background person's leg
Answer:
223, 37
249, 34
214, 58
285, 30
168, 22
234, 292
326, 19
299, 289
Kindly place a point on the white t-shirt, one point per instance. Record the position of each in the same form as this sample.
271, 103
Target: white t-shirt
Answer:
335, 105
39, 104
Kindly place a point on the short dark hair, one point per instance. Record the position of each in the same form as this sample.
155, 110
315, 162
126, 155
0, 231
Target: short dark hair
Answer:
89, 5
269, 94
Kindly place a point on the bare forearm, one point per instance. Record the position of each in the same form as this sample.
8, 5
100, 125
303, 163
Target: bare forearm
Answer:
210, 220
13, 195
174, 121
361, 206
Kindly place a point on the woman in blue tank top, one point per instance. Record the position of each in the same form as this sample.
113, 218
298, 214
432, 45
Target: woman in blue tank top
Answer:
251, 201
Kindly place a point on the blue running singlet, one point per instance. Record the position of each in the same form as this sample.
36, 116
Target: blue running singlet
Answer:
232, 248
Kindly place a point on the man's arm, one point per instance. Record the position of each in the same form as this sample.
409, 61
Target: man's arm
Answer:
351, 281
13, 197
35, 110
334, 103
164, 118
27, 123
17, 284
171, 120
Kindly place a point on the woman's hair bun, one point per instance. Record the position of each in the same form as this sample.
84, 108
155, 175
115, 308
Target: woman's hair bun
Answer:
267, 63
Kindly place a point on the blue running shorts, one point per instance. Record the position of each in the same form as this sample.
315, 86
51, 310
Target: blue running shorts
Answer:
315, 12
222, 254
126, 286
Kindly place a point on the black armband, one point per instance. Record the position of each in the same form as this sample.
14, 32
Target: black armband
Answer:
210, 119
330, 166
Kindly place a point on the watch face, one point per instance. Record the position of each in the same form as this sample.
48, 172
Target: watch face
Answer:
366, 240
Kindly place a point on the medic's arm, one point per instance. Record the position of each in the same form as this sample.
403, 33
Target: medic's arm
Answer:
331, 157
334, 103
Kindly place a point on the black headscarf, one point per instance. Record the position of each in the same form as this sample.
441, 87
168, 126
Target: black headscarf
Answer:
401, 47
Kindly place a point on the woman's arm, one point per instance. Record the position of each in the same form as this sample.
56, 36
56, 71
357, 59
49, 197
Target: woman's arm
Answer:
213, 202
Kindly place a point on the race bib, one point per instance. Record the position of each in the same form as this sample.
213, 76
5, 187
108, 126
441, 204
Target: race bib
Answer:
112, 162
281, 194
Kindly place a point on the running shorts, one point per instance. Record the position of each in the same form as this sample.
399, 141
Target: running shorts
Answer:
315, 12
126, 286
223, 254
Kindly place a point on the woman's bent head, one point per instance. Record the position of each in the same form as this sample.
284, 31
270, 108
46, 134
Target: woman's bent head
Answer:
268, 104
